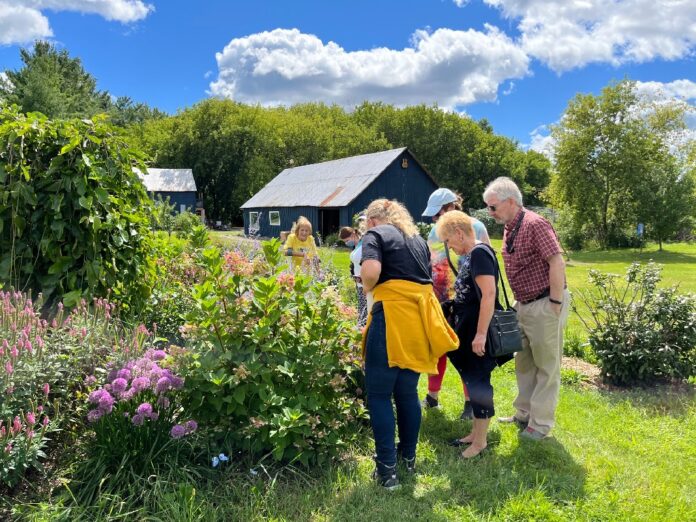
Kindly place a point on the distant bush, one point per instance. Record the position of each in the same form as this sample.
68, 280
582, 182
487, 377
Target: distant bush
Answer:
424, 229
185, 222
331, 240
495, 230
639, 332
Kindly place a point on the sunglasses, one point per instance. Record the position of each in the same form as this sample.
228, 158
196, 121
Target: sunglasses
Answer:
495, 207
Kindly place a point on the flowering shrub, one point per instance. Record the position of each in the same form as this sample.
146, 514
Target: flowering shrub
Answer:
276, 363
640, 333
44, 363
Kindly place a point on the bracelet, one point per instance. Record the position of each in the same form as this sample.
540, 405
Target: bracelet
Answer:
555, 301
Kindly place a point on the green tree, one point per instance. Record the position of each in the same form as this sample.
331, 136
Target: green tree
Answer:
53, 83
616, 165
601, 153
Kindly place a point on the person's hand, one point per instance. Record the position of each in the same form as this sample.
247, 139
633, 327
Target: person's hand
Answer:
478, 345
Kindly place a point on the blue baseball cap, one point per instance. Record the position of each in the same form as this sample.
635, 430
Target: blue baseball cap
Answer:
437, 200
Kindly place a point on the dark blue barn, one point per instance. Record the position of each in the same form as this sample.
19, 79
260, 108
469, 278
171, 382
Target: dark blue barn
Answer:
176, 184
329, 194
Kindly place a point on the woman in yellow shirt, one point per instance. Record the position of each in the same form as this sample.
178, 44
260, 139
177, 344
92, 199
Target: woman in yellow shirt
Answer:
300, 244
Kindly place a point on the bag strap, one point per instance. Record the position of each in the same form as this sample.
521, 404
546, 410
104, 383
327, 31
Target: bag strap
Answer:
491, 253
456, 272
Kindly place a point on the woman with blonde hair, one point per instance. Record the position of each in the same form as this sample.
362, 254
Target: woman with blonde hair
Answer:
405, 336
300, 244
476, 298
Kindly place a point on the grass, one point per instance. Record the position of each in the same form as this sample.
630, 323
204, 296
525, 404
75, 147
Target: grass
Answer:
616, 455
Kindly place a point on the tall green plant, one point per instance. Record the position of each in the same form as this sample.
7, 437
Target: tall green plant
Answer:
275, 370
73, 214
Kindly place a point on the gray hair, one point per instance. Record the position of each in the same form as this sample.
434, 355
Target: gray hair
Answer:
503, 188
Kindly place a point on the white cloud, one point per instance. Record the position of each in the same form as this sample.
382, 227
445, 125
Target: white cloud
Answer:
447, 67
569, 34
542, 141
20, 24
22, 21
680, 89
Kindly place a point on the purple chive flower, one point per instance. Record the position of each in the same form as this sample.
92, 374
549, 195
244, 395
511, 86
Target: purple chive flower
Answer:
177, 382
125, 373
138, 419
158, 355
177, 431
140, 383
163, 401
106, 401
119, 385
94, 415
191, 426
163, 384
154, 416
90, 380
145, 409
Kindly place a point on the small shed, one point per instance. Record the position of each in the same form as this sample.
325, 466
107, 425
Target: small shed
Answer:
330, 193
176, 184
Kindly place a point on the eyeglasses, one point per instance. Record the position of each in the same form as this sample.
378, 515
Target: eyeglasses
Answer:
495, 207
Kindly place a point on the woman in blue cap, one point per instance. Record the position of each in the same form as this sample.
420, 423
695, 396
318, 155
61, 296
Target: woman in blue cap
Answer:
440, 202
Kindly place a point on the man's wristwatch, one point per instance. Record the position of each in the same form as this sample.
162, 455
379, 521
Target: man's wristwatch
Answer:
555, 301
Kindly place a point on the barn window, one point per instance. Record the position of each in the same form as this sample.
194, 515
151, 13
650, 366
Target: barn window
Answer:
274, 218
254, 220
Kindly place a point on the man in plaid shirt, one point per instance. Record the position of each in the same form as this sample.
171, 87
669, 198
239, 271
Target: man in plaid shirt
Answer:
536, 272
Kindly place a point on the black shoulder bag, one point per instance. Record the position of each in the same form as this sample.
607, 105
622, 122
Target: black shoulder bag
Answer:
504, 334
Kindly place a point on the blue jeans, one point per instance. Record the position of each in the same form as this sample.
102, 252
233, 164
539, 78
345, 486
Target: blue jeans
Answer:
382, 382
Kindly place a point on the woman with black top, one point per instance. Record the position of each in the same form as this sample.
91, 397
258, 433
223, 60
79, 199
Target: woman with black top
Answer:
405, 336
475, 299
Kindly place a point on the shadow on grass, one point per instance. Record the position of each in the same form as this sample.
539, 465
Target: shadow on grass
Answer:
673, 400
447, 487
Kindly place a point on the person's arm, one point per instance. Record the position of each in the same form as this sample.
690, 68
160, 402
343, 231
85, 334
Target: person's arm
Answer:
288, 246
486, 284
556, 281
370, 269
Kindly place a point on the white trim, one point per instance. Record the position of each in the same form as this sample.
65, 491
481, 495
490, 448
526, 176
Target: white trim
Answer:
274, 218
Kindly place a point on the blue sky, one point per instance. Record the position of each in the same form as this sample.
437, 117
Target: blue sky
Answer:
515, 62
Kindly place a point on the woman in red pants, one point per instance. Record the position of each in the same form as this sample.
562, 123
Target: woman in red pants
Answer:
441, 201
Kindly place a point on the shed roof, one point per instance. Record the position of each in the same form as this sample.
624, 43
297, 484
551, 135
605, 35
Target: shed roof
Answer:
168, 180
329, 184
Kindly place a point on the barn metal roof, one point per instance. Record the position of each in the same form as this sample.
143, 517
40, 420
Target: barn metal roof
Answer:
329, 184
168, 180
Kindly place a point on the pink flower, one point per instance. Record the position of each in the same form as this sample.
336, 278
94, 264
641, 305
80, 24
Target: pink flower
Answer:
8, 368
31, 418
30, 434
14, 352
138, 420
8, 448
191, 426
159, 355
45, 421
16, 426
46, 389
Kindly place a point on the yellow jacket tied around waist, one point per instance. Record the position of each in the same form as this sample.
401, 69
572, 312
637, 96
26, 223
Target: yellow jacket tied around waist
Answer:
417, 331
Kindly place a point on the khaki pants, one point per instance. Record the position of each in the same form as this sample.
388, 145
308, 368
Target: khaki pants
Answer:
538, 365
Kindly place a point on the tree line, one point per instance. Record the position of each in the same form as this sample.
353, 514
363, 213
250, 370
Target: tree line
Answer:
616, 161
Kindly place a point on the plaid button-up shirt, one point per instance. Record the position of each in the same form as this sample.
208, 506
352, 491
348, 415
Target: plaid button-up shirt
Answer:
526, 267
